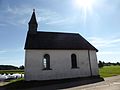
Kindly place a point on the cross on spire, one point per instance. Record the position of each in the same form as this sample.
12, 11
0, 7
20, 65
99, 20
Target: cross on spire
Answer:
33, 10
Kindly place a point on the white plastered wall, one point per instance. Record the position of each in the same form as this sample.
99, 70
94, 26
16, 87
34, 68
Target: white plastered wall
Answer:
60, 63
94, 64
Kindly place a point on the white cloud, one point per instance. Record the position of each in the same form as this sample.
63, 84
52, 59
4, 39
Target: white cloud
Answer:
109, 56
53, 18
21, 15
2, 51
15, 15
102, 42
18, 10
62, 21
23, 21
56, 22
109, 53
108, 48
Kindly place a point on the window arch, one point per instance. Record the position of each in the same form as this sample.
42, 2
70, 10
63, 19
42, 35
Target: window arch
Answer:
73, 61
46, 61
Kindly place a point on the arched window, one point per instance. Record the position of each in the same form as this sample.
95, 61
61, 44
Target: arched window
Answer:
46, 62
73, 61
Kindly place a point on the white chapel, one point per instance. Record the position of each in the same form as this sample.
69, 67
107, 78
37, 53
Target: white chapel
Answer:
57, 55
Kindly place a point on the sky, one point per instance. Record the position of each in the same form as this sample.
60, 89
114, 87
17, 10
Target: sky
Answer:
97, 21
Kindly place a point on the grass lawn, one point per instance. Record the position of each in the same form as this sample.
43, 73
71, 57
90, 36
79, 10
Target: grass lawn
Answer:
108, 71
11, 71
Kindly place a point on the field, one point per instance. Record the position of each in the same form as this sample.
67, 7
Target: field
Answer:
108, 71
11, 71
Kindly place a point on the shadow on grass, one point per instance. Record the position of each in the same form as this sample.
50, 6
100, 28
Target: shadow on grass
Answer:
51, 84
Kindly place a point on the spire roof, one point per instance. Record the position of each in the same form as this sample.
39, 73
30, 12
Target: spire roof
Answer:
33, 18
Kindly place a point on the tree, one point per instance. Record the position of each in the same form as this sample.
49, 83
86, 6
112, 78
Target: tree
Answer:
118, 63
100, 64
21, 67
8, 67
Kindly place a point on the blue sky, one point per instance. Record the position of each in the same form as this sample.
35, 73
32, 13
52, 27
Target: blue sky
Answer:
100, 25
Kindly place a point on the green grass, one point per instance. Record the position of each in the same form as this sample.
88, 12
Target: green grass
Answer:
11, 71
108, 71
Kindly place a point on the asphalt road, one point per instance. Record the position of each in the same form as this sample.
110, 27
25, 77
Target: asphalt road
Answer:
111, 83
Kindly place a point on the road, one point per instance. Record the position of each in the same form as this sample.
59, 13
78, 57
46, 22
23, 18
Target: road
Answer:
111, 83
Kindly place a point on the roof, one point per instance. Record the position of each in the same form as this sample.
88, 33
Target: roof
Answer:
57, 41
33, 19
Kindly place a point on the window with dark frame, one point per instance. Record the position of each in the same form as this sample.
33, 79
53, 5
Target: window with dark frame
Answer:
46, 62
73, 61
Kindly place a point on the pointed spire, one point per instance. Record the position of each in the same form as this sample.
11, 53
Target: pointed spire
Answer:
33, 18
33, 23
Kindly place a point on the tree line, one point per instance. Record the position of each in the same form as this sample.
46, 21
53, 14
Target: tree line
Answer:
11, 67
102, 64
